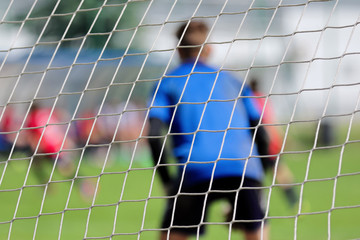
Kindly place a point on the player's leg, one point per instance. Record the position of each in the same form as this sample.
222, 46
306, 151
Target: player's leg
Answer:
39, 168
248, 207
185, 220
259, 234
284, 176
173, 236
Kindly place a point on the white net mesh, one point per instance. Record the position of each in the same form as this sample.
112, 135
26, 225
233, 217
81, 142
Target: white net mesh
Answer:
80, 168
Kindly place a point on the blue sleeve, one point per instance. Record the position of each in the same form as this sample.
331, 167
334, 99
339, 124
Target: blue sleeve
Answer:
250, 104
160, 107
248, 101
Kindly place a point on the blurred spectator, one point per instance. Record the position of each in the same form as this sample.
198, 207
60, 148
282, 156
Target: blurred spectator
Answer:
115, 125
123, 122
326, 133
86, 131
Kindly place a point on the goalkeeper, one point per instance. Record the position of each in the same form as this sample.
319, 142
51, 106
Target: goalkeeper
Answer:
212, 142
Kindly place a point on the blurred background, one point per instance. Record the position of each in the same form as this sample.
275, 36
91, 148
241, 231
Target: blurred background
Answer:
301, 53
95, 62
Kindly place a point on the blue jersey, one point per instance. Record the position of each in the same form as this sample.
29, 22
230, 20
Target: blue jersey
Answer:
209, 123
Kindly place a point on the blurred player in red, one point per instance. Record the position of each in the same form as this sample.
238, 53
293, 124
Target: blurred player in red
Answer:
273, 148
46, 137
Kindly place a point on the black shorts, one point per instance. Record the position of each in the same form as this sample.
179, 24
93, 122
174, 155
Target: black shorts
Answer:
189, 205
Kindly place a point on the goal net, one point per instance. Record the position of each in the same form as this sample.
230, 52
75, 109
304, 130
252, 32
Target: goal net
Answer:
76, 80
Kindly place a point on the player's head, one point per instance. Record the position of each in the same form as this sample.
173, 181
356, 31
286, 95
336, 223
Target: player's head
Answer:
34, 107
254, 85
192, 36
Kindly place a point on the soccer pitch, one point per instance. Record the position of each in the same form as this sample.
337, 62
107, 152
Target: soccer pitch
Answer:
137, 206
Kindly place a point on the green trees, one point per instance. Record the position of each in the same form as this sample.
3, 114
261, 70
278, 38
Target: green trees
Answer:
72, 21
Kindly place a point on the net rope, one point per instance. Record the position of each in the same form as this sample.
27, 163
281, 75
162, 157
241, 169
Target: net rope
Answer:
275, 7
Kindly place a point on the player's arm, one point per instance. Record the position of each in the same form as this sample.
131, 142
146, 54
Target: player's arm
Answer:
159, 154
159, 119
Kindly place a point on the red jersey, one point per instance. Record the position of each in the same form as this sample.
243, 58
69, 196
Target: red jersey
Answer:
48, 127
274, 135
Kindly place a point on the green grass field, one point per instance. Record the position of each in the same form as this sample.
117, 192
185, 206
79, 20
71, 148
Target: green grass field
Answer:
129, 198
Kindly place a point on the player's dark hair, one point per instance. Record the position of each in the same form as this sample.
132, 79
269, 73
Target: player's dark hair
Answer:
191, 37
254, 85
